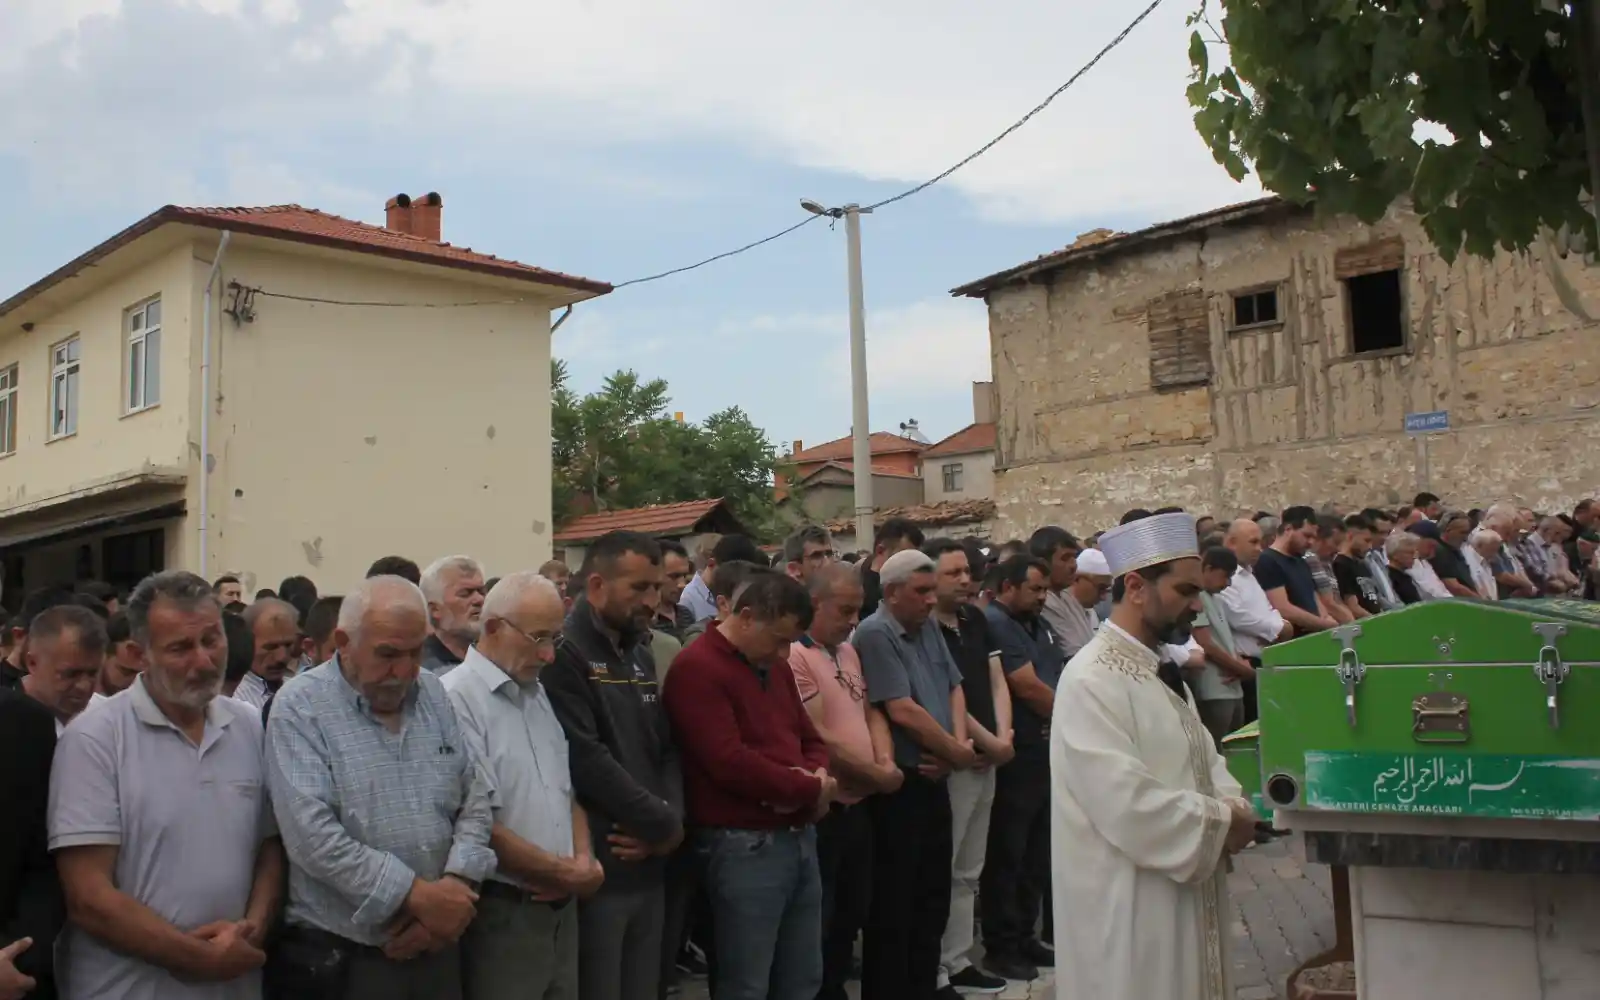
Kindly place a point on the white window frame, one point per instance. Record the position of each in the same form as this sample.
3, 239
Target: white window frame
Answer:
8, 410
139, 360
952, 476
66, 376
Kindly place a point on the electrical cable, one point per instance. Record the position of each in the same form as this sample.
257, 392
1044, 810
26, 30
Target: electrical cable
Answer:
780, 234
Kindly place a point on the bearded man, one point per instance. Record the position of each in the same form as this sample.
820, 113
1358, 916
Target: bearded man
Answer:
1143, 809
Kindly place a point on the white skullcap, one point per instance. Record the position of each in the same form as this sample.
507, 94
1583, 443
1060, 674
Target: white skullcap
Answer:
1092, 562
900, 567
1149, 541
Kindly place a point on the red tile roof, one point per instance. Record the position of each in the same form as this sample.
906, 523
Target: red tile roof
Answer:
881, 443
850, 467
661, 519
928, 515
309, 226
971, 438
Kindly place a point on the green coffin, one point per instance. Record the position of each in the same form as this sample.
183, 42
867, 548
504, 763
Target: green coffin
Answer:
1460, 708
1241, 751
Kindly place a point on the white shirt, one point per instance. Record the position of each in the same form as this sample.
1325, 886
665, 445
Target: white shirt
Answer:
1428, 583
1482, 574
1073, 624
252, 690
1255, 623
522, 750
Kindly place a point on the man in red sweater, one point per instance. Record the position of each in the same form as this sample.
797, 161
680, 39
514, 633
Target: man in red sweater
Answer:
755, 781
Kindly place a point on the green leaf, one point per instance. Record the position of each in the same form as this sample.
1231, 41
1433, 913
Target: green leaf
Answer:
1197, 53
1230, 82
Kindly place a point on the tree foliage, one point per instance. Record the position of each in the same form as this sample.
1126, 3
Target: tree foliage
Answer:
619, 447
1323, 98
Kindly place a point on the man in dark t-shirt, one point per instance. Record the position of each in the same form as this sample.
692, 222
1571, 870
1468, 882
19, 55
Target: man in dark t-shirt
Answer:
1449, 562
1285, 577
966, 633
1356, 587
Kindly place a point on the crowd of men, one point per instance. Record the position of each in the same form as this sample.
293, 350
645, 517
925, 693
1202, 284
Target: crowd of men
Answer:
583, 782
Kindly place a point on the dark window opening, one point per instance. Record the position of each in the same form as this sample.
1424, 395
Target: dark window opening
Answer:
1377, 318
127, 559
1254, 308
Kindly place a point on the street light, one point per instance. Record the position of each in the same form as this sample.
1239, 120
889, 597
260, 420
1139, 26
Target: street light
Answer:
860, 432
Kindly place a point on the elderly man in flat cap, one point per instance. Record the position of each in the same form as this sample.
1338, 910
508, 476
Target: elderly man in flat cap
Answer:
1144, 813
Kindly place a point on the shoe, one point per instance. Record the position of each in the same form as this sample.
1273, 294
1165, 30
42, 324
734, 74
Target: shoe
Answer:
1011, 967
692, 961
1039, 954
975, 980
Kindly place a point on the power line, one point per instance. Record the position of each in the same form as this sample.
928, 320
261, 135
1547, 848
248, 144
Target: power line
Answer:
381, 305
721, 256
930, 182
808, 220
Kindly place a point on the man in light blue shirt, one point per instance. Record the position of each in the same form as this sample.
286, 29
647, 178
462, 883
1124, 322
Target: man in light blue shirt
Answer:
384, 813
525, 942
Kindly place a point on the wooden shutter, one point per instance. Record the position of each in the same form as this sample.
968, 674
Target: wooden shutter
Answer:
1180, 340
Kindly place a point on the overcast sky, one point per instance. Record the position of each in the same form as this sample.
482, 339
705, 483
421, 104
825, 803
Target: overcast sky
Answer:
615, 138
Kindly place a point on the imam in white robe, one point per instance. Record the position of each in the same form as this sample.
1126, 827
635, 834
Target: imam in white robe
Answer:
1139, 822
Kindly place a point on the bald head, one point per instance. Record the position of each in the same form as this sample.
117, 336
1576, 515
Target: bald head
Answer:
522, 619
1244, 540
382, 626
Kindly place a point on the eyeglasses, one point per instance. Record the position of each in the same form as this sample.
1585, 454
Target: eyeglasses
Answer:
856, 689
551, 641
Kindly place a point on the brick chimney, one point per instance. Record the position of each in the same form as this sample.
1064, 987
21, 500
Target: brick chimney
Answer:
415, 216
799, 446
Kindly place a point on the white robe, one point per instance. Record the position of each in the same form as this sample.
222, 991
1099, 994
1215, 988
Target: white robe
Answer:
1139, 820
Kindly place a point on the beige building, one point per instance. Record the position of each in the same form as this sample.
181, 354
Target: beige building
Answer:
961, 467
282, 390
1253, 356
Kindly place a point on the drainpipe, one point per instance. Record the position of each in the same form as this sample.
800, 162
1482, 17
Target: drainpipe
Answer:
559, 320
205, 406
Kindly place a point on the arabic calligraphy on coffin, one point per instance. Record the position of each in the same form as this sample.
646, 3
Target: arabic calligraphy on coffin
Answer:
1468, 785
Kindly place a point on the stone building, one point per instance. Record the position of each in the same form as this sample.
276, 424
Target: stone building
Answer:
1255, 356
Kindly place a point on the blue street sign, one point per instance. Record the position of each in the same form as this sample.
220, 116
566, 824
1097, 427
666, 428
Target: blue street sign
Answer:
1431, 422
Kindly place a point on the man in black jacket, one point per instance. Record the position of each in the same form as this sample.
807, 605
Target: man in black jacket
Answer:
624, 766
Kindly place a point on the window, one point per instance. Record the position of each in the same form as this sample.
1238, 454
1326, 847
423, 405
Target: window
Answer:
1256, 308
8, 410
64, 359
1180, 340
952, 477
144, 356
127, 559
1377, 321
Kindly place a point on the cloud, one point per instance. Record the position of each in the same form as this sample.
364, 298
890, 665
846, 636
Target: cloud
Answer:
890, 92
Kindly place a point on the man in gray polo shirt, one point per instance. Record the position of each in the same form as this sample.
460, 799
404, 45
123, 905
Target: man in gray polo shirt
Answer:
160, 822
524, 943
914, 680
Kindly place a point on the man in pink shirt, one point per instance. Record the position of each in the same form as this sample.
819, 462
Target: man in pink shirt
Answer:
861, 755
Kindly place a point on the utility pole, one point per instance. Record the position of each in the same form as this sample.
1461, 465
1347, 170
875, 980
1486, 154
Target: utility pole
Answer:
860, 424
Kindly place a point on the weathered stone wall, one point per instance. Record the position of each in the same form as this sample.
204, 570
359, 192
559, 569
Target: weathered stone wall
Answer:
1289, 415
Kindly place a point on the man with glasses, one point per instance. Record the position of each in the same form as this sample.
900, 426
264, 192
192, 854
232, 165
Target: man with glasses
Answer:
807, 550
827, 673
524, 941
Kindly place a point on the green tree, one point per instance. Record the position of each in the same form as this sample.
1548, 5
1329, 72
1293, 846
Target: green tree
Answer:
619, 447
1323, 98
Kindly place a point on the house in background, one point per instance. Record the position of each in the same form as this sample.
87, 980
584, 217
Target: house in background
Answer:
689, 522
961, 467
287, 430
818, 483
948, 519
1255, 356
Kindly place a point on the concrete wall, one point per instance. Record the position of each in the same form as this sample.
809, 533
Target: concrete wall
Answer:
977, 477
1288, 415
110, 443
342, 434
